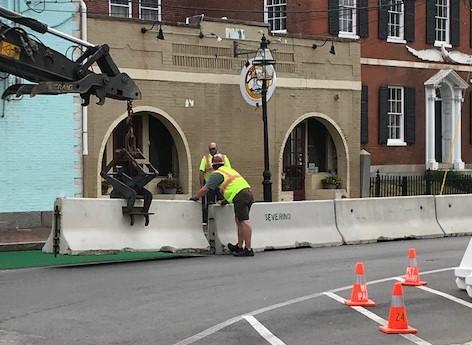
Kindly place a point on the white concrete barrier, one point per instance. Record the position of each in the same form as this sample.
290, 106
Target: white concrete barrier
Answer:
367, 220
279, 225
98, 225
453, 213
468, 285
465, 268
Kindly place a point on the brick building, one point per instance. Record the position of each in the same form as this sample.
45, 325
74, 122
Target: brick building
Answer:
191, 86
416, 64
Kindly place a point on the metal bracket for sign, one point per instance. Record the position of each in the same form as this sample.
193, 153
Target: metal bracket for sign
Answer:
57, 230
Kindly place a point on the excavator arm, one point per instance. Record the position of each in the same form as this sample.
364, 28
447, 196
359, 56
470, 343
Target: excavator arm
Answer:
52, 73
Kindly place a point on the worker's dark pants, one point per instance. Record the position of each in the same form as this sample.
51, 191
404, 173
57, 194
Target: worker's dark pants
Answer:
210, 198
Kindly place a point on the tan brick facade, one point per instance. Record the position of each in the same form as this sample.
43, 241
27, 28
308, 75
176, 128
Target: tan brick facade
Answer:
185, 68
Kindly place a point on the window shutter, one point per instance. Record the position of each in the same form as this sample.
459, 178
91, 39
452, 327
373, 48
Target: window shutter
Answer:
383, 19
363, 18
383, 115
410, 106
409, 10
454, 33
470, 111
333, 21
430, 22
365, 114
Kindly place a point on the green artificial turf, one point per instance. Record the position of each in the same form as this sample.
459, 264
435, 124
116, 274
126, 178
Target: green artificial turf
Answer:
36, 258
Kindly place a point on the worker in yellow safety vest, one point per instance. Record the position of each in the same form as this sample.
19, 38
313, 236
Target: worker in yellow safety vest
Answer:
235, 190
205, 171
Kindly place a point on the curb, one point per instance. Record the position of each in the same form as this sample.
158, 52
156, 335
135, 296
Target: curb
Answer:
17, 246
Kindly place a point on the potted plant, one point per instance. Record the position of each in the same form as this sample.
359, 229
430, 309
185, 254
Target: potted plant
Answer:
331, 182
169, 185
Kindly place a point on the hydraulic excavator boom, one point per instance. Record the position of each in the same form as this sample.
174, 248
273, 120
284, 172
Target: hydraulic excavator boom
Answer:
53, 73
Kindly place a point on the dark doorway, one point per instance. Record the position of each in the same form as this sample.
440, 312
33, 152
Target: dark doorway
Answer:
438, 128
162, 149
294, 163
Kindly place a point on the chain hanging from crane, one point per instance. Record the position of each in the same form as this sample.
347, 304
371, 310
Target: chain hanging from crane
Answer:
130, 138
129, 172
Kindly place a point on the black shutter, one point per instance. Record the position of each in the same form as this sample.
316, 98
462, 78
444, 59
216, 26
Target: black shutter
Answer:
383, 115
409, 8
363, 18
383, 19
470, 110
365, 114
333, 21
410, 106
430, 22
454, 33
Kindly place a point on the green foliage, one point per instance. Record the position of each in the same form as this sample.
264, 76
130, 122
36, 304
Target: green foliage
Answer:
169, 183
332, 180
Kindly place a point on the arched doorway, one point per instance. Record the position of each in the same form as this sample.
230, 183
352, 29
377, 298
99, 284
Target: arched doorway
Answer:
162, 142
313, 150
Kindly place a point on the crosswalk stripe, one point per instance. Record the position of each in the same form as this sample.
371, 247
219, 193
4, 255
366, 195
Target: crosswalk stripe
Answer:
263, 331
442, 294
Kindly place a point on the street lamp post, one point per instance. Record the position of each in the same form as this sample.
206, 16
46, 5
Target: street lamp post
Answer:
264, 66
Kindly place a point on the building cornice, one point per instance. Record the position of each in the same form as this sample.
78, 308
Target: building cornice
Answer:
413, 64
233, 79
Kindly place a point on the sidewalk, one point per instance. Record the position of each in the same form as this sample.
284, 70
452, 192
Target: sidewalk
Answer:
23, 239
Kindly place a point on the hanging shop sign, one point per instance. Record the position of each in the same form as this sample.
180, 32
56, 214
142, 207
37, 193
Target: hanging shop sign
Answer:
251, 87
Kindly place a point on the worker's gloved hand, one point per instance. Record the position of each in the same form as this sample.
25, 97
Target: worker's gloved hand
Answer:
224, 202
193, 198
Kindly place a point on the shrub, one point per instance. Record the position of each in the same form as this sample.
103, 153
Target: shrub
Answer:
332, 180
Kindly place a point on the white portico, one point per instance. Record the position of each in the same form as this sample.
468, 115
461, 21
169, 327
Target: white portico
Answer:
443, 97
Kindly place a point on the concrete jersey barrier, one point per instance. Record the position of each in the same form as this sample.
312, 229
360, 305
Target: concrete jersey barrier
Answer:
453, 213
89, 225
373, 219
279, 225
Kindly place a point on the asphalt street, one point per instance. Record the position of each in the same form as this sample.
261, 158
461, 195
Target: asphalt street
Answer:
276, 297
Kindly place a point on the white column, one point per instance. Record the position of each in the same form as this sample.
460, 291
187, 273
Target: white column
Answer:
456, 123
429, 128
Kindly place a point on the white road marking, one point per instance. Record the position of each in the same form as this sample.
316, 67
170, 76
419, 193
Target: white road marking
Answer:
264, 332
443, 294
216, 328
209, 331
411, 337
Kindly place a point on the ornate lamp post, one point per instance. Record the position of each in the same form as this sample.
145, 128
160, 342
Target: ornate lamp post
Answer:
264, 65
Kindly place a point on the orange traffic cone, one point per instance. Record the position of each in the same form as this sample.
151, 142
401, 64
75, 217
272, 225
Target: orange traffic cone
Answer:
359, 295
412, 276
397, 318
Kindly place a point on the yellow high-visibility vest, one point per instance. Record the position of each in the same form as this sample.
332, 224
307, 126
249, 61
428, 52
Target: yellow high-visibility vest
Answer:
206, 167
232, 184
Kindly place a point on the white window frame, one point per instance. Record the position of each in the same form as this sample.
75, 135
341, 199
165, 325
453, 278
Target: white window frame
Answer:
158, 9
401, 115
130, 8
266, 14
447, 19
401, 21
353, 33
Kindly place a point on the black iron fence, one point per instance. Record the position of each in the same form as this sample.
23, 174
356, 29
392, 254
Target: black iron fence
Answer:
428, 184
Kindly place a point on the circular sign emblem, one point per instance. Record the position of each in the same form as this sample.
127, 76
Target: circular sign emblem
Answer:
251, 87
